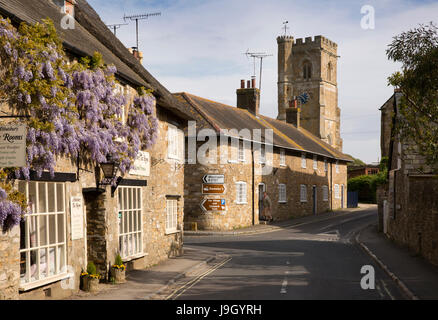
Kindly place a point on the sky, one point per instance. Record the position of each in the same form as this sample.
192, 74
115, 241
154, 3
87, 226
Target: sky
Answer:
198, 47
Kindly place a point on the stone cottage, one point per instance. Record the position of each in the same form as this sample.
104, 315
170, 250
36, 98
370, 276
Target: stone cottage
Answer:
75, 219
408, 204
246, 154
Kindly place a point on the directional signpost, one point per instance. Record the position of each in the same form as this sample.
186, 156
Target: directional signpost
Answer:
213, 188
213, 205
214, 178
213, 184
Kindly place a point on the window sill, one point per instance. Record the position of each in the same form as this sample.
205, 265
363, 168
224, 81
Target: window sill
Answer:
283, 165
303, 201
282, 202
167, 232
241, 202
136, 256
39, 283
232, 161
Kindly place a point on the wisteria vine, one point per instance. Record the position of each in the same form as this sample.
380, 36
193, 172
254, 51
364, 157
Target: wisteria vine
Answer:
72, 109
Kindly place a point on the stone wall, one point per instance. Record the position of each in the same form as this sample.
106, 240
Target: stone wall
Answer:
9, 263
241, 215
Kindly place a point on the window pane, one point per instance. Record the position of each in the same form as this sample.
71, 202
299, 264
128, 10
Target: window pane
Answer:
52, 228
41, 197
43, 263
43, 230
61, 257
130, 198
60, 197
51, 193
138, 198
125, 199
33, 226
61, 227
31, 199
51, 264
125, 222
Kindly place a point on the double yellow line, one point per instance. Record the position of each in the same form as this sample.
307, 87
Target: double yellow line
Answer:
175, 294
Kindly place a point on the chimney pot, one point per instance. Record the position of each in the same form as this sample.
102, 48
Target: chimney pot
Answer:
253, 82
293, 114
242, 84
248, 84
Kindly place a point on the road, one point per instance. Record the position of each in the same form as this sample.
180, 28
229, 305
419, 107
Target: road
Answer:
316, 260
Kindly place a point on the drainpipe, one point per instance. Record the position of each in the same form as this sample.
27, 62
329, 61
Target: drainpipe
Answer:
253, 186
331, 186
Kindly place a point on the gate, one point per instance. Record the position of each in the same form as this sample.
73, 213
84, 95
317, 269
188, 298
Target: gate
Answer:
352, 199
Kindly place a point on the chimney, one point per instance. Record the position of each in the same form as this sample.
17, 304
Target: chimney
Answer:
293, 114
248, 98
137, 54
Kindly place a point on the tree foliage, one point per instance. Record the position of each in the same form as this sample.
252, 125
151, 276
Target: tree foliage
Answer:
417, 51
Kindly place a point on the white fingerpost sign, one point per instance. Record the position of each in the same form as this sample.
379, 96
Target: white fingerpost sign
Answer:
12, 145
142, 164
77, 218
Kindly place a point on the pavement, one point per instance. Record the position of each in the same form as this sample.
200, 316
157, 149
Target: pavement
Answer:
414, 276
417, 278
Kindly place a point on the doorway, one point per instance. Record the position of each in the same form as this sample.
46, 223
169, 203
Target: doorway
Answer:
342, 196
315, 200
262, 188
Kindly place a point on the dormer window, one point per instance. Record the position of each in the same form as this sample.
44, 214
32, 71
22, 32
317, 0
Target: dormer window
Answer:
307, 70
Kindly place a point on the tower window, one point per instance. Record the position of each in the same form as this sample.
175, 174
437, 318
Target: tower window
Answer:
329, 71
307, 70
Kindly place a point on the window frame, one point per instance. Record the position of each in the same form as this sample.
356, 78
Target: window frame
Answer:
303, 193
175, 143
303, 161
315, 162
337, 191
241, 198
172, 223
337, 166
282, 195
325, 165
325, 193
241, 154
134, 212
60, 253
282, 158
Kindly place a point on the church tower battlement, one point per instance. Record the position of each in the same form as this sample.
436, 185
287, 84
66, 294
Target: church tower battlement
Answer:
310, 65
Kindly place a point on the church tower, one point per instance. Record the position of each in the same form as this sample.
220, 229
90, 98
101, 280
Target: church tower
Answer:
310, 66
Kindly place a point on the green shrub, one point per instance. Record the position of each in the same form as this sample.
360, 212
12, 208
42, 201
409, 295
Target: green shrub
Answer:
91, 268
119, 260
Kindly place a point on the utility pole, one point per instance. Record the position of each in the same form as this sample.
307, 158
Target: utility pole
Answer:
116, 26
140, 17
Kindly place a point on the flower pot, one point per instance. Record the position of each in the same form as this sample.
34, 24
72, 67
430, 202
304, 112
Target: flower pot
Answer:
119, 275
90, 284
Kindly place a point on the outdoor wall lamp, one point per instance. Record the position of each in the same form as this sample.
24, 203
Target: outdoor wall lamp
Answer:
109, 170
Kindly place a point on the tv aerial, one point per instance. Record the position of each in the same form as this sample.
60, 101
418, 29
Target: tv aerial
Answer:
140, 17
116, 26
285, 27
257, 55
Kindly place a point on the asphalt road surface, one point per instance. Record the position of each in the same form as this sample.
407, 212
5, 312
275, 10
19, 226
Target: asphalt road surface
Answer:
317, 260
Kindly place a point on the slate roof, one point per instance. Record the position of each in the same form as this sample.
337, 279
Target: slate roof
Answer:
90, 35
219, 116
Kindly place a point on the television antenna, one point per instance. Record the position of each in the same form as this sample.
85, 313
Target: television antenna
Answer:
116, 26
139, 17
257, 55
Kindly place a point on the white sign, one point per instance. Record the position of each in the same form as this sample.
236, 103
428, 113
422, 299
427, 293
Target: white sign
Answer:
214, 178
142, 165
77, 218
12, 145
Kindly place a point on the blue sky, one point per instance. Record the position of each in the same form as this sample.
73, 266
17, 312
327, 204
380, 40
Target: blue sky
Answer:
197, 46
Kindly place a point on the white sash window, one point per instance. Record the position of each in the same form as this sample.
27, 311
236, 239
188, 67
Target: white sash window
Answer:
43, 253
130, 222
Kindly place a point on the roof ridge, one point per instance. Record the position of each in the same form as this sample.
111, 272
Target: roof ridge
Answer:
195, 106
278, 132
